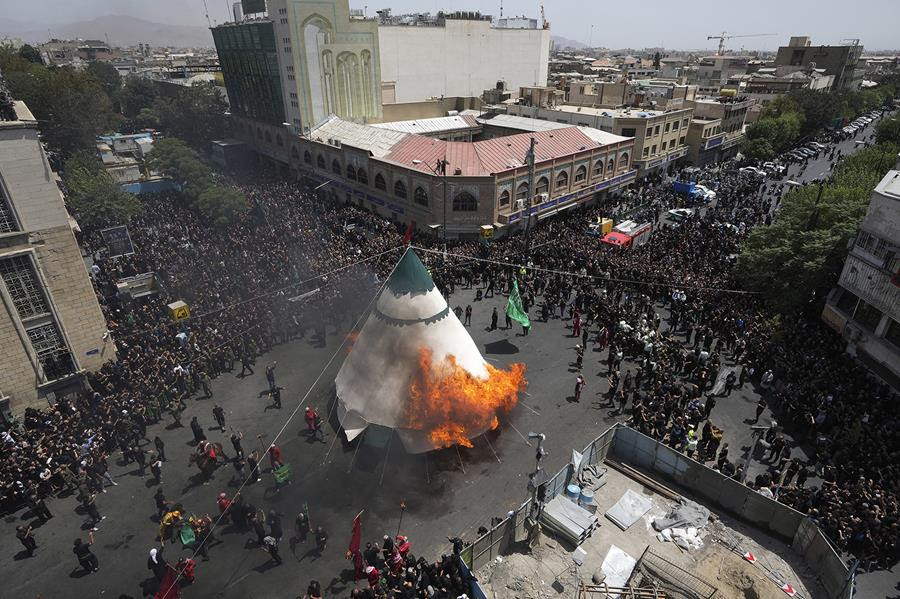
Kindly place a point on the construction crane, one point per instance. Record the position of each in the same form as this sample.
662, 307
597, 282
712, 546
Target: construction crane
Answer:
725, 36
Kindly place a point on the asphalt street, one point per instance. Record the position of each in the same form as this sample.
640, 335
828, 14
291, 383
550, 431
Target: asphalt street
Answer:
447, 493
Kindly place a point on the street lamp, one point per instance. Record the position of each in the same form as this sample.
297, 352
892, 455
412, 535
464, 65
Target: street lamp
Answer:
439, 170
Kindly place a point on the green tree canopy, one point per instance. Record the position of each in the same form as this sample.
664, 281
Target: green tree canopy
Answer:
222, 205
136, 93
175, 159
93, 197
196, 114
889, 131
31, 54
106, 75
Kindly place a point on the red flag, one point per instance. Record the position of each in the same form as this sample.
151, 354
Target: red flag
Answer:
407, 237
750, 557
169, 587
787, 588
353, 551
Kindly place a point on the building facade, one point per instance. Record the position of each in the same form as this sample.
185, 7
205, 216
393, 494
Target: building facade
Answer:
731, 114
248, 56
51, 329
659, 136
842, 62
865, 307
485, 184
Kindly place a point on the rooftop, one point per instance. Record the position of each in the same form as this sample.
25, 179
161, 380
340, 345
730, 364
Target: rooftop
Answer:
889, 186
432, 125
365, 137
629, 113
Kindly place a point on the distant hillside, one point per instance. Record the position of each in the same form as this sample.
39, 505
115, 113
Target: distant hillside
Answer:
562, 42
121, 30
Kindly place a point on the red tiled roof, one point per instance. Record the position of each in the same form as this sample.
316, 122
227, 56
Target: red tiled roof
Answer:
482, 158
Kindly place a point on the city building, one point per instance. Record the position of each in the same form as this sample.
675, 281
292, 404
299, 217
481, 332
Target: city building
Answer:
52, 329
659, 136
649, 93
334, 61
865, 307
75, 52
717, 128
712, 72
485, 183
845, 63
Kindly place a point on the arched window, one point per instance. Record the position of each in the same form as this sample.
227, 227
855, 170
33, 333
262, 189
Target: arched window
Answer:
295, 155
420, 197
562, 179
598, 168
379, 182
320, 161
336, 167
610, 166
623, 161
522, 191
504, 196
580, 173
279, 141
268, 137
362, 176
400, 189
543, 186
351, 172
307, 157
465, 202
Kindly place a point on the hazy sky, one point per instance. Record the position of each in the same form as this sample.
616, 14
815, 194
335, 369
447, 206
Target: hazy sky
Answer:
669, 23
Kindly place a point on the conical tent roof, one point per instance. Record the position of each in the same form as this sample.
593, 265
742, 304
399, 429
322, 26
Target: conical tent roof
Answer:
410, 315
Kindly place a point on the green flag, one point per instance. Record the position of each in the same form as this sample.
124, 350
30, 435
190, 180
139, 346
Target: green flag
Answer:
514, 308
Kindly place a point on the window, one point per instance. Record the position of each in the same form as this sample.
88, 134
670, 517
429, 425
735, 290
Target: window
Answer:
580, 173
379, 182
336, 167
629, 132
610, 166
684, 123
681, 140
892, 334
653, 149
7, 220
522, 191
307, 157
675, 126
666, 130
646, 152
320, 161
867, 316
420, 197
400, 189
543, 186
847, 302
598, 168
28, 298
504, 197
362, 176
562, 179
656, 130
351, 172
649, 132
623, 161
465, 202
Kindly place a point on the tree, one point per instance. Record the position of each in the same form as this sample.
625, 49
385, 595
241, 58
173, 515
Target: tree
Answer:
803, 251
889, 131
31, 54
136, 93
175, 159
758, 149
196, 114
93, 197
222, 205
106, 75
147, 118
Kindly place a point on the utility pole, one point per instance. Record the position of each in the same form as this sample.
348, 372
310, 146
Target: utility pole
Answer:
529, 158
441, 168
814, 217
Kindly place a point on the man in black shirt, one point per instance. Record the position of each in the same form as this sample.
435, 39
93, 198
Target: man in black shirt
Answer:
86, 557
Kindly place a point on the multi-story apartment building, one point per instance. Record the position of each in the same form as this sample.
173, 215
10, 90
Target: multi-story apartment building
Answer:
730, 114
843, 62
865, 307
51, 329
659, 136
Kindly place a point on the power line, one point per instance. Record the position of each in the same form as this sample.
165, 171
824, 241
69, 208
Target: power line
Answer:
585, 276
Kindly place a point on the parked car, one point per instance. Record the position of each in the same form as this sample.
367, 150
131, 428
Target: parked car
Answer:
680, 214
753, 171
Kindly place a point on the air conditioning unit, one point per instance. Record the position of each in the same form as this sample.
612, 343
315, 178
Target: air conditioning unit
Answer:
543, 198
520, 204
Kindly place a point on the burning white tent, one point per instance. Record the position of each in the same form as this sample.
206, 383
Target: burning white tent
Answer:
415, 369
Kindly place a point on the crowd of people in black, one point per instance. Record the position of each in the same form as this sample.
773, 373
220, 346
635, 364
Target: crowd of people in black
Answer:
666, 318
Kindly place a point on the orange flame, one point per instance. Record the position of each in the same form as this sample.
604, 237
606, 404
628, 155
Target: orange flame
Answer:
352, 336
452, 405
